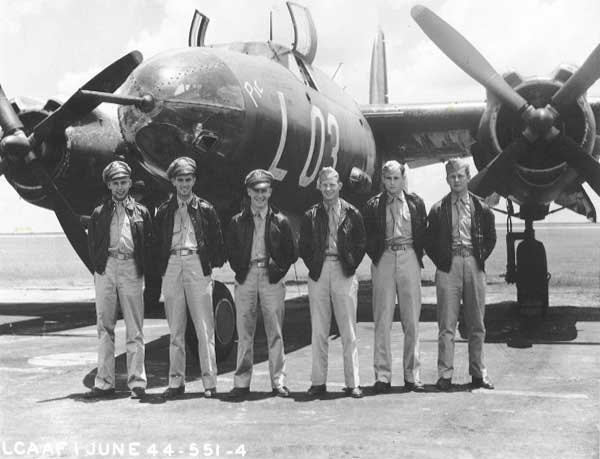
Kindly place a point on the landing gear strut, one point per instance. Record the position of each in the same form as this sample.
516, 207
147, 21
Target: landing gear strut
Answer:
530, 272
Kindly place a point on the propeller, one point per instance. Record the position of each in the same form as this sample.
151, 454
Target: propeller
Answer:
539, 122
15, 144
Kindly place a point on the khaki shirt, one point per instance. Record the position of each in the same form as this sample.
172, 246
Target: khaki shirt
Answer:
259, 251
184, 236
462, 209
334, 217
121, 239
398, 227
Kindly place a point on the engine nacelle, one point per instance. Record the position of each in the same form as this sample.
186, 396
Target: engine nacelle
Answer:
539, 177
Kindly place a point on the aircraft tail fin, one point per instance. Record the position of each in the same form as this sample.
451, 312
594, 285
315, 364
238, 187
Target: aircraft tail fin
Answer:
378, 85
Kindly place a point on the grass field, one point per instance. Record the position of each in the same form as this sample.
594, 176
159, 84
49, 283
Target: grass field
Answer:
573, 251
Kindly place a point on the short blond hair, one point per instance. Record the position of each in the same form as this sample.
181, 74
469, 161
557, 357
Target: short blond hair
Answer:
457, 164
326, 173
392, 165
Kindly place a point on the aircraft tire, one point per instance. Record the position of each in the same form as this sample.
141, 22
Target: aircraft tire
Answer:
225, 330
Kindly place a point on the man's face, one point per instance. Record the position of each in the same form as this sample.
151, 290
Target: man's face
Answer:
330, 188
259, 195
119, 187
393, 181
184, 184
458, 180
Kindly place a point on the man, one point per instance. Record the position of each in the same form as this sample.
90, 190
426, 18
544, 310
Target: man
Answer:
332, 245
460, 237
119, 239
395, 221
190, 244
261, 249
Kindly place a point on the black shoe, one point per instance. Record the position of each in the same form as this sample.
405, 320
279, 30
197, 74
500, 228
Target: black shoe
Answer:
173, 392
239, 392
210, 392
416, 386
381, 387
96, 392
354, 392
482, 383
444, 384
319, 389
281, 391
138, 392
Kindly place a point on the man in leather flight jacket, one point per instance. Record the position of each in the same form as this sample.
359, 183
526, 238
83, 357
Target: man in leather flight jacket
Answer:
189, 244
119, 240
460, 236
332, 245
396, 222
261, 249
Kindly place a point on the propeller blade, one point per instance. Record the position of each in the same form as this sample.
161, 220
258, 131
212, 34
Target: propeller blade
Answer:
9, 121
69, 220
576, 157
466, 56
486, 181
78, 105
584, 77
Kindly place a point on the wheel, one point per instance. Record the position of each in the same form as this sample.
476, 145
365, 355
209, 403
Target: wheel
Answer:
532, 278
225, 331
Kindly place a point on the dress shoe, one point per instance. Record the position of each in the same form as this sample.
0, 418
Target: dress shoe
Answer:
313, 391
354, 392
281, 391
138, 392
381, 386
444, 384
96, 392
210, 392
416, 386
482, 383
173, 392
239, 392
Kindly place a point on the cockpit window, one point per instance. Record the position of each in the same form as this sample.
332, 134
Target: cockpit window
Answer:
297, 67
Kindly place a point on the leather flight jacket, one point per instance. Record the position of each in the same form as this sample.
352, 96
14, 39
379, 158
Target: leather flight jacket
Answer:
351, 239
438, 243
280, 245
375, 214
141, 232
207, 228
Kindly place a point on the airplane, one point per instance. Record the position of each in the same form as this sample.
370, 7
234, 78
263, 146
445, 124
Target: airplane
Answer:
238, 106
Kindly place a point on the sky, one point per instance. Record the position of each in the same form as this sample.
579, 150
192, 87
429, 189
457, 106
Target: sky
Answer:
48, 48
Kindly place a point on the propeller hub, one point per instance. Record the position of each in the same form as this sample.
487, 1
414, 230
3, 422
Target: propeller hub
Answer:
541, 119
15, 145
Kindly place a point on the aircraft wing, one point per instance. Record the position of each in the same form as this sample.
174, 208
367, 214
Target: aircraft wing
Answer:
426, 133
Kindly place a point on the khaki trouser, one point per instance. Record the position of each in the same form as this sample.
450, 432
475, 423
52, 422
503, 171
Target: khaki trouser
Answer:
398, 274
120, 285
257, 288
467, 282
333, 287
184, 283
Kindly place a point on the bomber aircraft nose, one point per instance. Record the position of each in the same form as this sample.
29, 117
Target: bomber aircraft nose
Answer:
198, 111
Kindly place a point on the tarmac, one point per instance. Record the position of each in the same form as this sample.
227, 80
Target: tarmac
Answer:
546, 403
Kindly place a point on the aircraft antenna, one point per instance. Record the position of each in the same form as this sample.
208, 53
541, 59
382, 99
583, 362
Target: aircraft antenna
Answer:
271, 25
336, 70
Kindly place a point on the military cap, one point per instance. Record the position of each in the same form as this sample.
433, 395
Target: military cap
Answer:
181, 166
456, 164
258, 176
115, 170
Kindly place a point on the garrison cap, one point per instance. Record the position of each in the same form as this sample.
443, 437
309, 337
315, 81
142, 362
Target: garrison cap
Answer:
257, 177
456, 164
181, 166
115, 170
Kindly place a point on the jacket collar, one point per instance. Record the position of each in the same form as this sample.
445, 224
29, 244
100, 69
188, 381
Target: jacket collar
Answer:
194, 202
128, 203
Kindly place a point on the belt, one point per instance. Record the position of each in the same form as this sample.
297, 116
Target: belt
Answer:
120, 256
395, 247
183, 252
462, 252
259, 263
332, 256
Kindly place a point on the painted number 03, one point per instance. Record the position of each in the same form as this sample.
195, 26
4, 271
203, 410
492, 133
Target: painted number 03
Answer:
317, 121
